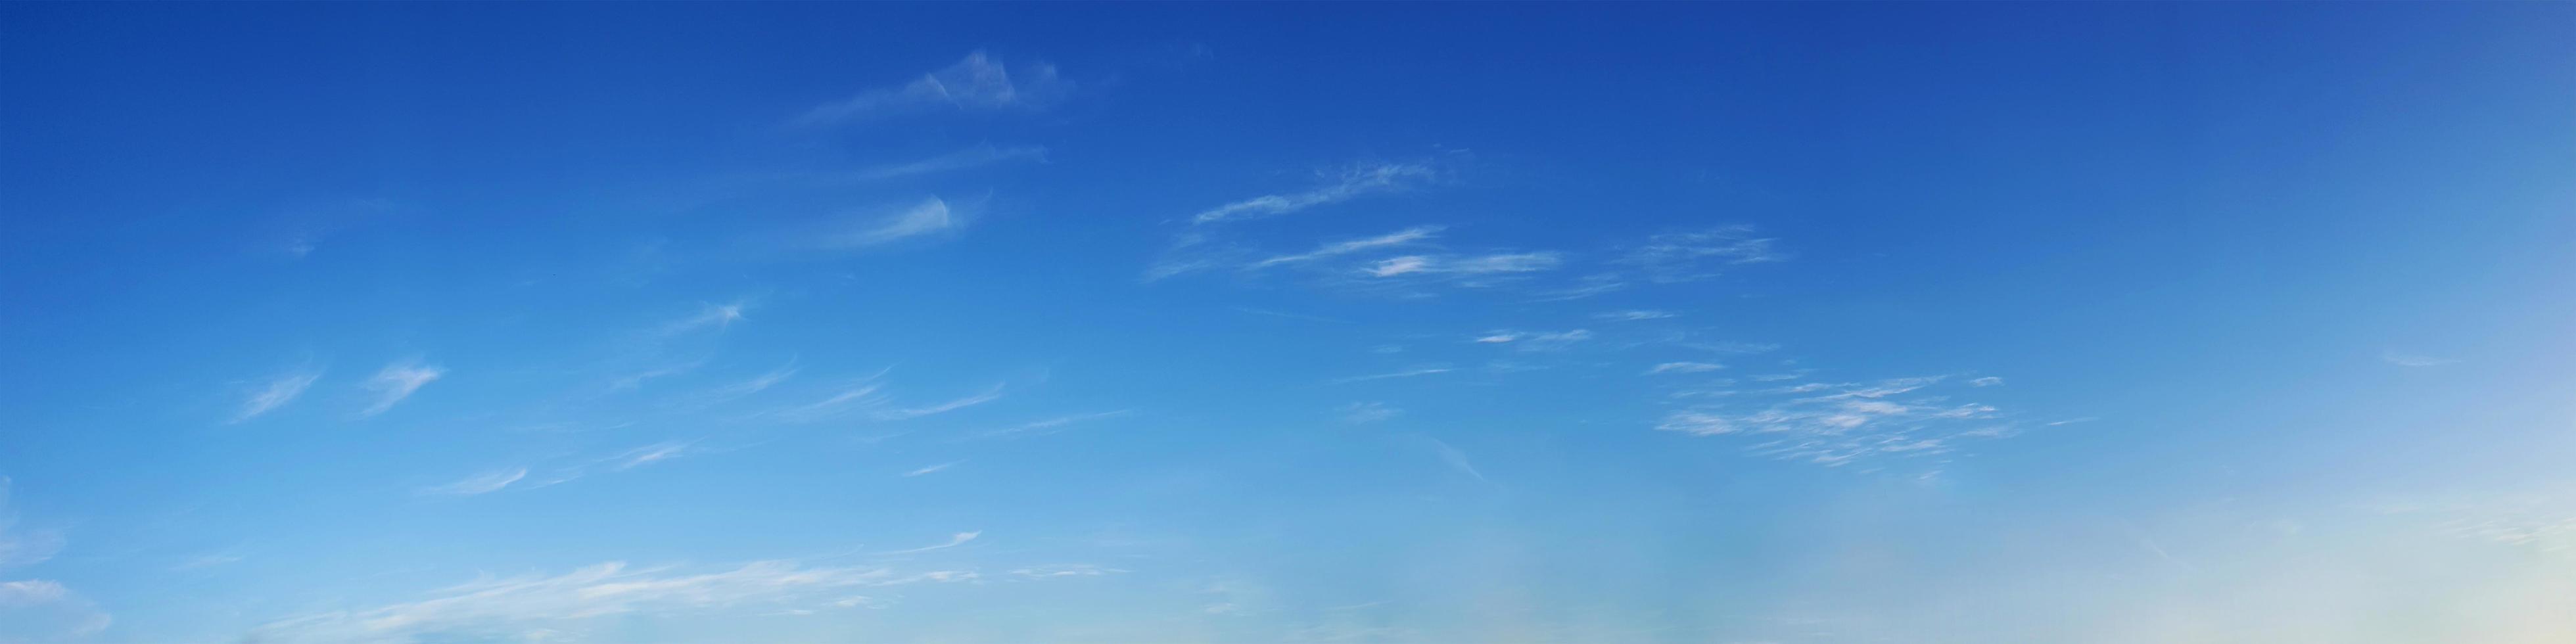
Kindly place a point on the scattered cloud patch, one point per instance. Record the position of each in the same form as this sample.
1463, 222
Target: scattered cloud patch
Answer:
1065, 570
1408, 373
1836, 424
1987, 381
1346, 247
954, 540
1051, 425
942, 408
931, 469
974, 157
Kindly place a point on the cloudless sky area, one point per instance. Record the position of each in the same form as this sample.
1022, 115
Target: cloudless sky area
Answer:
1708, 323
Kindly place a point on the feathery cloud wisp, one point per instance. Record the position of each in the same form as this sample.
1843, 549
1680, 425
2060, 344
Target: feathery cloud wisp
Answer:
954, 540
2404, 359
1051, 425
396, 382
1632, 316
1350, 182
941, 408
931, 469
276, 393
1691, 255
1368, 412
1408, 373
928, 217
977, 83
1408, 235
978, 156
1685, 367
480, 483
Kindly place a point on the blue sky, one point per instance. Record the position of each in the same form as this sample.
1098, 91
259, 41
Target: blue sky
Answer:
1286, 323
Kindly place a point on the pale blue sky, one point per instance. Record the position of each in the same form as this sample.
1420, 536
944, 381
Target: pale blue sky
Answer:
1284, 323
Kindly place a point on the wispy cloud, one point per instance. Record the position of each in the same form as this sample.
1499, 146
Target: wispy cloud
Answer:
974, 157
1368, 412
1468, 265
954, 540
653, 453
1632, 315
941, 408
754, 385
2404, 359
716, 316
1527, 341
41, 610
1840, 423
1065, 570
525, 604
928, 217
864, 395
1691, 255
484, 483
1346, 247
279, 391
1051, 425
978, 83
396, 382
23, 547
931, 469
207, 561
1457, 460
1987, 381
1685, 367
1408, 373
1353, 181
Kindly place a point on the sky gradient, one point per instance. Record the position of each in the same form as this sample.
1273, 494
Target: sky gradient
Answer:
1723, 323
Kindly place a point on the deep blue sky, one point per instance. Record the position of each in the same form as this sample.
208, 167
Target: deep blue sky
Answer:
1250, 323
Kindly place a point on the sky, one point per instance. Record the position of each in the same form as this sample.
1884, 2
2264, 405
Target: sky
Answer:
1709, 323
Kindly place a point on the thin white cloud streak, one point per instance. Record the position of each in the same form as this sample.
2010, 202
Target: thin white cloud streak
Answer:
484, 483
2404, 359
977, 83
277, 393
1549, 341
719, 316
1691, 255
527, 603
1336, 249
649, 454
974, 157
1836, 424
1051, 425
931, 469
1632, 316
942, 408
754, 385
1065, 570
1351, 182
1685, 367
954, 540
1468, 265
396, 382
42, 610
928, 217
839, 403
1368, 412
636, 380
1408, 373
1457, 460
1987, 381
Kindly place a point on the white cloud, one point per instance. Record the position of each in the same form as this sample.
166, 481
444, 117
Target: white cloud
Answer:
976, 84
1838, 424
279, 391
954, 540
1691, 255
928, 217
2403, 359
1354, 181
396, 382
1368, 412
1685, 367
42, 610
1465, 265
1457, 460
1550, 341
931, 469
649, 454
941, 408
1632, 315
754, 385
1065, 570
486, 482
719, 316
1987, 381
978, 156
1051, 425
523, 604
1335, 249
